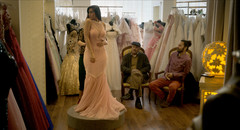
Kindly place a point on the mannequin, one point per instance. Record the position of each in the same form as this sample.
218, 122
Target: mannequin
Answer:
69, 81
73, 25
111, 23
73, 21
160, 22
141, 25
113, 72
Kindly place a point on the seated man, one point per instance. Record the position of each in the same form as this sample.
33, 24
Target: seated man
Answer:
135, 67
178, 67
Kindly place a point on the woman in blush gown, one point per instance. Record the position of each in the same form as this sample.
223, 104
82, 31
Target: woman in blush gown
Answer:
97, 101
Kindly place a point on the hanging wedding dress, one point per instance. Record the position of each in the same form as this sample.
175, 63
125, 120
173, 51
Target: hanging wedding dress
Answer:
113, 62
191, 38
186, 24
57, 24
161, 45
163, 61
174, 40
136, 35
52, 51
157, 33
198, 47
180, 30
117, 20
15, 119
188, 28
63, 35
69, 82
25, 90
148, 34
125, 39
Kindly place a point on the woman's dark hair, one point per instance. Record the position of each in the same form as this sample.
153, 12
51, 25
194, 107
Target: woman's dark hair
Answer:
96, 10
187, 43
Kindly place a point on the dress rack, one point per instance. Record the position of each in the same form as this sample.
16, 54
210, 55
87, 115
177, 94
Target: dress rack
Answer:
88, 6
188, 6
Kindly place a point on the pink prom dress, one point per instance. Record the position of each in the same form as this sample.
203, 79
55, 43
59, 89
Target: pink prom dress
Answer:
152, 44
97, 101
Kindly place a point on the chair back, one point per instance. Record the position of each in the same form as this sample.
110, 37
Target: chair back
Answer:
188, 52
128, 49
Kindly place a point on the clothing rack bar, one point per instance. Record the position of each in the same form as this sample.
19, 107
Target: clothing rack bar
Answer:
129, 12
195, 14
88, 6
189, 1
191, 7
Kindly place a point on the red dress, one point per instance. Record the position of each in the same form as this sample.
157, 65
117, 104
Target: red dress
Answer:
25, 90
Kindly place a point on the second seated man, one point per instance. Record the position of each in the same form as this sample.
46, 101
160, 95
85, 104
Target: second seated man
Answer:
135, 67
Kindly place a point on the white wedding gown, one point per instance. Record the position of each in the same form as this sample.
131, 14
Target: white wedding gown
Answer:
125, 39
113, 62
148, 34
186, 28
175, 36
198, 47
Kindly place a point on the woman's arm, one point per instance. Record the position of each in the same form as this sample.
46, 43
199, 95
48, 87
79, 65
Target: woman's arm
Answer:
87, 29
80, 43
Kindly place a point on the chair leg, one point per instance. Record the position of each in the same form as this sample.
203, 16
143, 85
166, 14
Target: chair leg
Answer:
155, 98
149, 95
143, 95
123, 92
181, 98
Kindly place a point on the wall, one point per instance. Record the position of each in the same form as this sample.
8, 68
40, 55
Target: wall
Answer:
49, 8
167, 7
156, 13
32, 40
157, 10
81, 2
63, 2
72, 2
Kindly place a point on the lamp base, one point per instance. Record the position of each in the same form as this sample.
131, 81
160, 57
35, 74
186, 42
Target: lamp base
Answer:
208, 75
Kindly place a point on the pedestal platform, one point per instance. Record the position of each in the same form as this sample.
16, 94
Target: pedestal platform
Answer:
82, 123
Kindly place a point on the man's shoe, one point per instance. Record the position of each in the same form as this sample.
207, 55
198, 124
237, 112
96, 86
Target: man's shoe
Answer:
164, 104
127, 97
138, 104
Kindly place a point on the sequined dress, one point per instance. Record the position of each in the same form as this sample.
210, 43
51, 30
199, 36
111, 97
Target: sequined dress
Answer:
69, 82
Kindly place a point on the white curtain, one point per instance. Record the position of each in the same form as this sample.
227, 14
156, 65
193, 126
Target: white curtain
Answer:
233, 39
